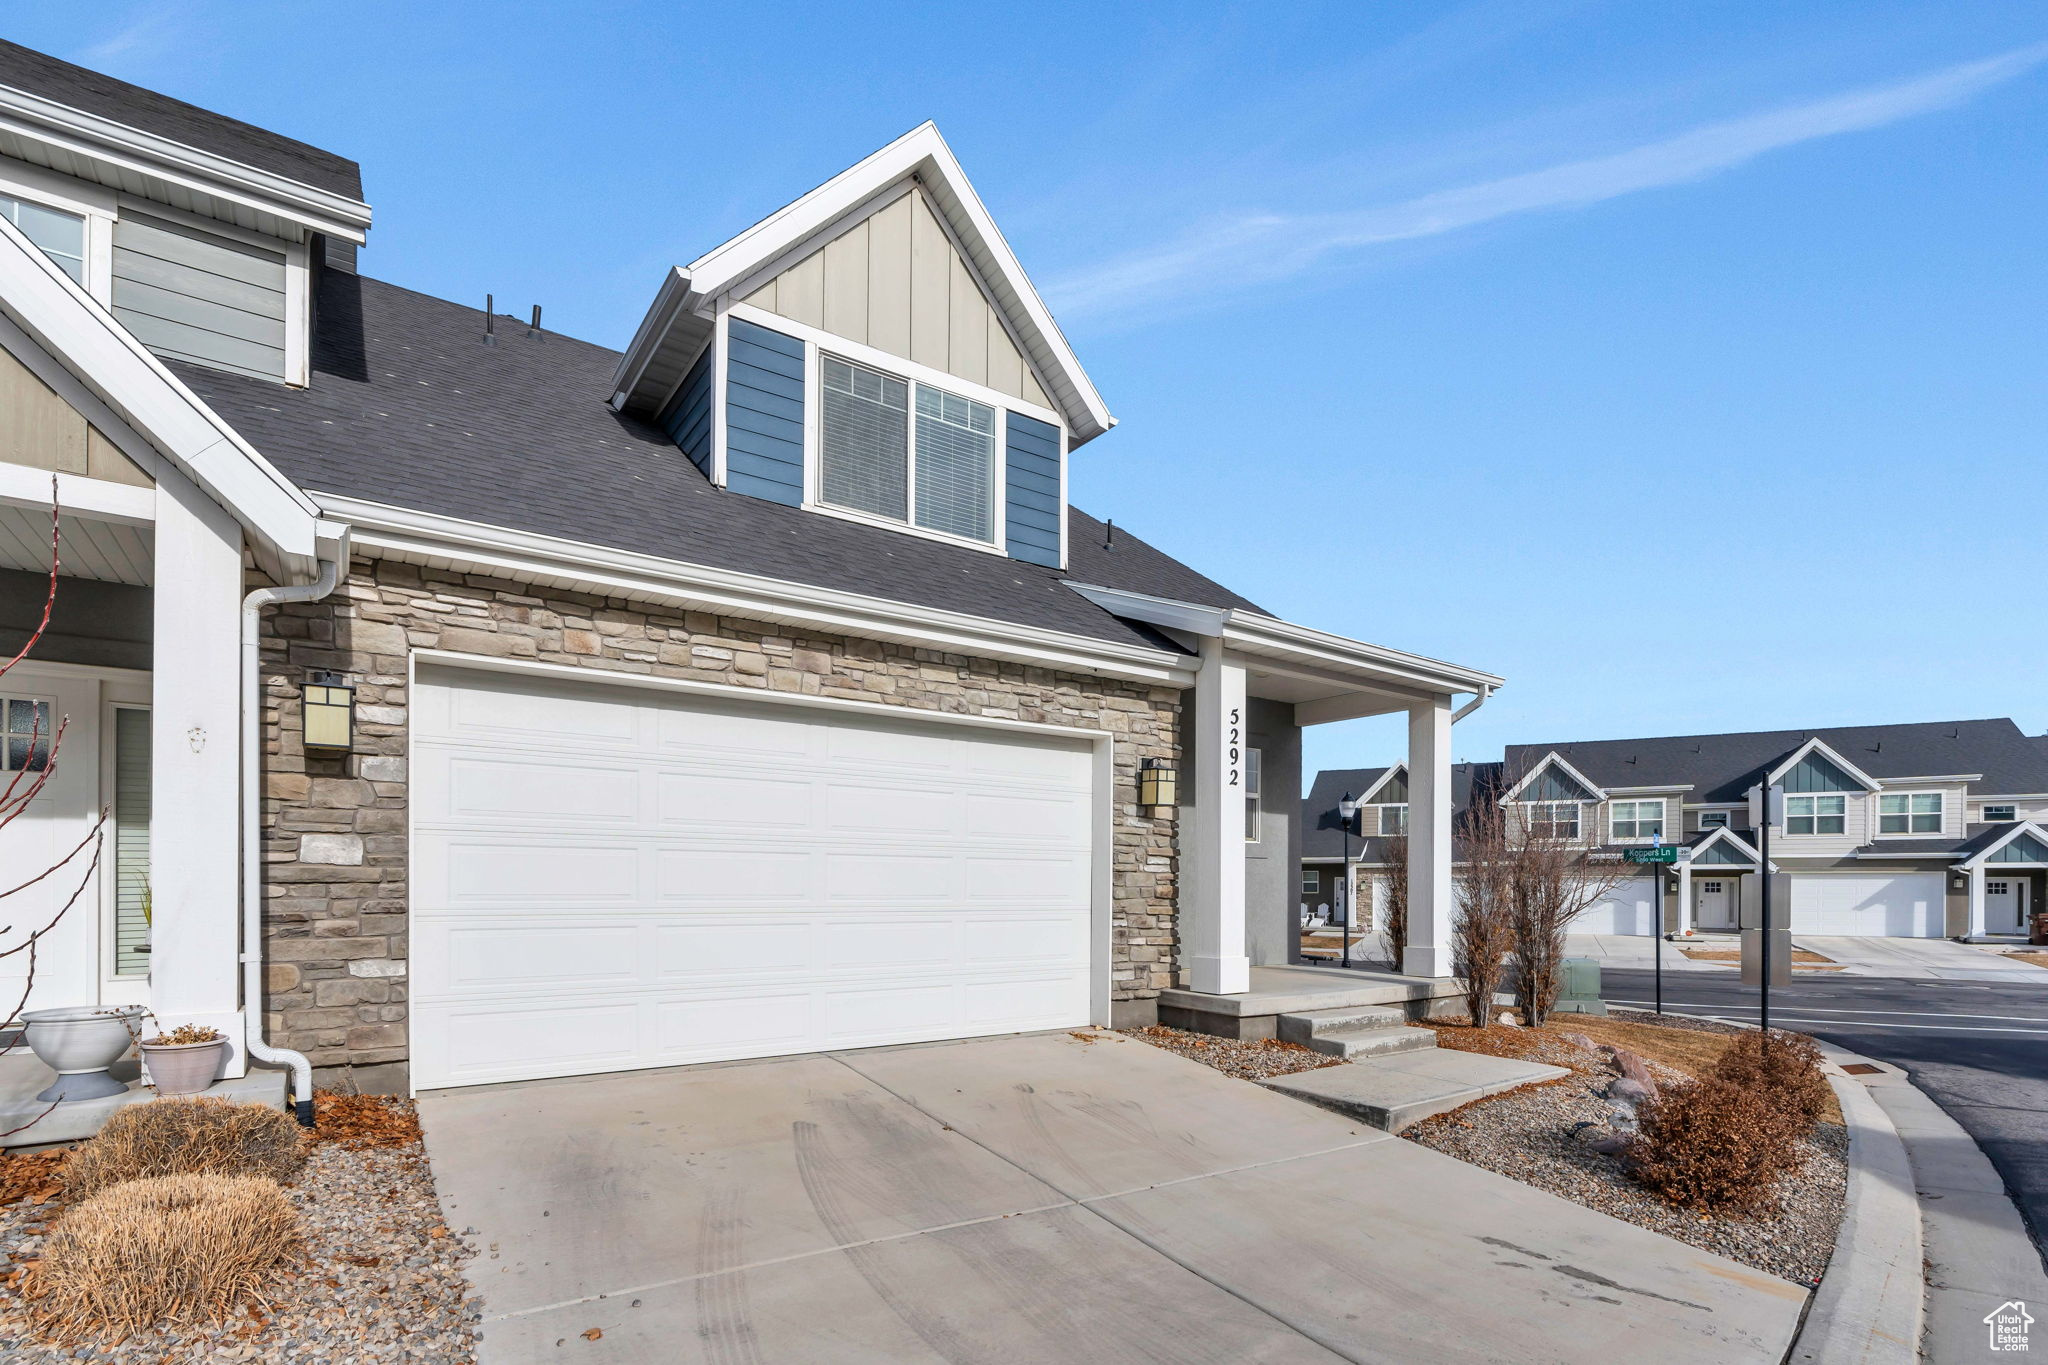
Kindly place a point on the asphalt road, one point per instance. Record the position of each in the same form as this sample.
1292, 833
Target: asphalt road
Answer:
1981, 1052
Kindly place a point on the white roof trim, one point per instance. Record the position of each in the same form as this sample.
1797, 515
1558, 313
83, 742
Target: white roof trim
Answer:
1381, 781
527, 557
123, 147
922, 153
2019, 827
1514, 792
1890, 782
1334, 657
1818, 744
68, 323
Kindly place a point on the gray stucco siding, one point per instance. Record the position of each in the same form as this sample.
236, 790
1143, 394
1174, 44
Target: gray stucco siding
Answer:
1272, 862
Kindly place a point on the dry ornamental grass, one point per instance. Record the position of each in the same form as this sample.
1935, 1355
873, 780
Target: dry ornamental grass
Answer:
187, 1137
173, 1249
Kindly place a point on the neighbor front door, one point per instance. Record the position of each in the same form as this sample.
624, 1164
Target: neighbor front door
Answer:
2005, 905
1716, 908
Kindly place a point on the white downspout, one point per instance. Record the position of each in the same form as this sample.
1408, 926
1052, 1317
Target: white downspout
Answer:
252, 823
1473, 705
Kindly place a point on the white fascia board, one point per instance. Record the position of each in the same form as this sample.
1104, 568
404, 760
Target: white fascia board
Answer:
1889, 783
1598, 793
59, 316
675, 295
423, 537
77, 495
1381, 781
1666, 787
118, 145
2019, 827
1818, 744
922, 153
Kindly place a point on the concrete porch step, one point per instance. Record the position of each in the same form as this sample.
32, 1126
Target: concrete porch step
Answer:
1355, 1044
1303, 1025
1392, 1092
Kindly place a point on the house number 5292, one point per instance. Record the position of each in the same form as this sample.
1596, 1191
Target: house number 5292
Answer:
1236, 737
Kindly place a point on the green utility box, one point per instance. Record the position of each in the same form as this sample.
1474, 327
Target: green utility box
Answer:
1580, 993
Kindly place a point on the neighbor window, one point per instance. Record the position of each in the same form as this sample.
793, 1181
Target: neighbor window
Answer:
1918, 813
60, 235
1999, 815
1637, 820
1252, 763
1713, 819
131, 841
1554, 820
27, 733
936, 472
1816, 814
1311, 883
1393, 820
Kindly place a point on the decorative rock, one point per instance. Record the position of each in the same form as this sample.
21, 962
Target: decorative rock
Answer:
1627, 1091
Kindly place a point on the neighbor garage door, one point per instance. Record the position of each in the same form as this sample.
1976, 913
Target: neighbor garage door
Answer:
1627, 909
609, 877
1906, 905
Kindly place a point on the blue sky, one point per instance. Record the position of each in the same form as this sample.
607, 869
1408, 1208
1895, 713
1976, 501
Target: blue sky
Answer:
1682, 362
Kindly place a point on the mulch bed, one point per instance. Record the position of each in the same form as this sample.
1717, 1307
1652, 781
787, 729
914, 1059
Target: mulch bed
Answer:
1527, 1135
1247, 1060
1803, 959
383, 1278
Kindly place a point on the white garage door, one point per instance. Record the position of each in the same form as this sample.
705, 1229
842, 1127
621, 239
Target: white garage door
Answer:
607, 877
1907, 905
1628, 909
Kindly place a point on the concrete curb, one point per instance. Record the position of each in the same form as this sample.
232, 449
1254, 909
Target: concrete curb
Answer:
1870, 1306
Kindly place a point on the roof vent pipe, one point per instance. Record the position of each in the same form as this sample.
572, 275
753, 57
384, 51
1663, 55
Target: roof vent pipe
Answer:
1109, 535
533, 328
490, 320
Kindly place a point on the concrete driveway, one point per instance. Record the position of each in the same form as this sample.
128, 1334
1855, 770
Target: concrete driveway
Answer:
1924, 959
1033, 1198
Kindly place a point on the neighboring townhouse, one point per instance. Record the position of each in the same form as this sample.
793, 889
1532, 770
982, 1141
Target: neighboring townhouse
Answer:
1926, 831
474, 703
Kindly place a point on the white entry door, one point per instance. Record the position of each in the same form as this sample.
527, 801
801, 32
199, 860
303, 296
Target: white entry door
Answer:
608, 877
1714, 903
2005, 905
1907, 905
1628, 909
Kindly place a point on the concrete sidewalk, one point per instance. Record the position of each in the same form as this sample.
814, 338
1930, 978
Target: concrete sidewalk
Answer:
1069, 1197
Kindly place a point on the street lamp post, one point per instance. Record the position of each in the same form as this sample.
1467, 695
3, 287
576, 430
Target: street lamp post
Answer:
1347, 810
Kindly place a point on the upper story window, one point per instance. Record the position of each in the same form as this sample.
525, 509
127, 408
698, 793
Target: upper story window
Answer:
1714, 819
1816, 814
1914, 813
2001, 814
930, 463
61, 235
1393, 820
1637, 820
1553, 819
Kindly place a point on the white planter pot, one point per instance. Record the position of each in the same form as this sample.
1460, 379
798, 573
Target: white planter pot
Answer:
183, 1068
79, 1043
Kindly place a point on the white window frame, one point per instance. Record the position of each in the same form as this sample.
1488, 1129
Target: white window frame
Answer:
1813, 815
1399, 810
1254, 784
1635, 819
1311, 882
97, 206
1717, 819
2011, 816
1545, 813
1911, 816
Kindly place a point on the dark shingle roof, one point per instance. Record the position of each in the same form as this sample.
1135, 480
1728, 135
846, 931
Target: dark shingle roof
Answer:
41, 74
1725, 767
1322, 835
409, 408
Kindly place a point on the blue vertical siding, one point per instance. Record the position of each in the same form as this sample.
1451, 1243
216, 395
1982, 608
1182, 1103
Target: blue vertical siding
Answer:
2025, 849
1815, 774
1553, 785
1031, 491
687, 418
764, 414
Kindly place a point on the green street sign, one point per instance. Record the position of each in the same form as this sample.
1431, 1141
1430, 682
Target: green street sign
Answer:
1666, 854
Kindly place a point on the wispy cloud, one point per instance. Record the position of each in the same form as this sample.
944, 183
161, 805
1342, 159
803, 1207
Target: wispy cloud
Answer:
142, 38
1269, 246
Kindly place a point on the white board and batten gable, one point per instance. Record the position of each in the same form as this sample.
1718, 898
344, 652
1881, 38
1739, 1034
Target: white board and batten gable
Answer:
888, 285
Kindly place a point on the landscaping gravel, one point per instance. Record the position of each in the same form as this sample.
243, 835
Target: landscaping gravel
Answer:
1527, 1135
382, 1281
1248, 1060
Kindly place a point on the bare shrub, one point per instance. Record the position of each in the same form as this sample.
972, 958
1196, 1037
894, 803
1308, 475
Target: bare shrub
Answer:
1481, 928
1786, 1069
187, 1136
1395, 856
1714, 1145
179, 1249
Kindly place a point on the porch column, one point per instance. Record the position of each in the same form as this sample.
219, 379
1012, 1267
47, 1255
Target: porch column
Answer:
1684, 894
195, 944
1212, 908
1976, 900
1429, 840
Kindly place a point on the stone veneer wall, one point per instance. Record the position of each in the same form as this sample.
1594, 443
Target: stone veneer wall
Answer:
335, 853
